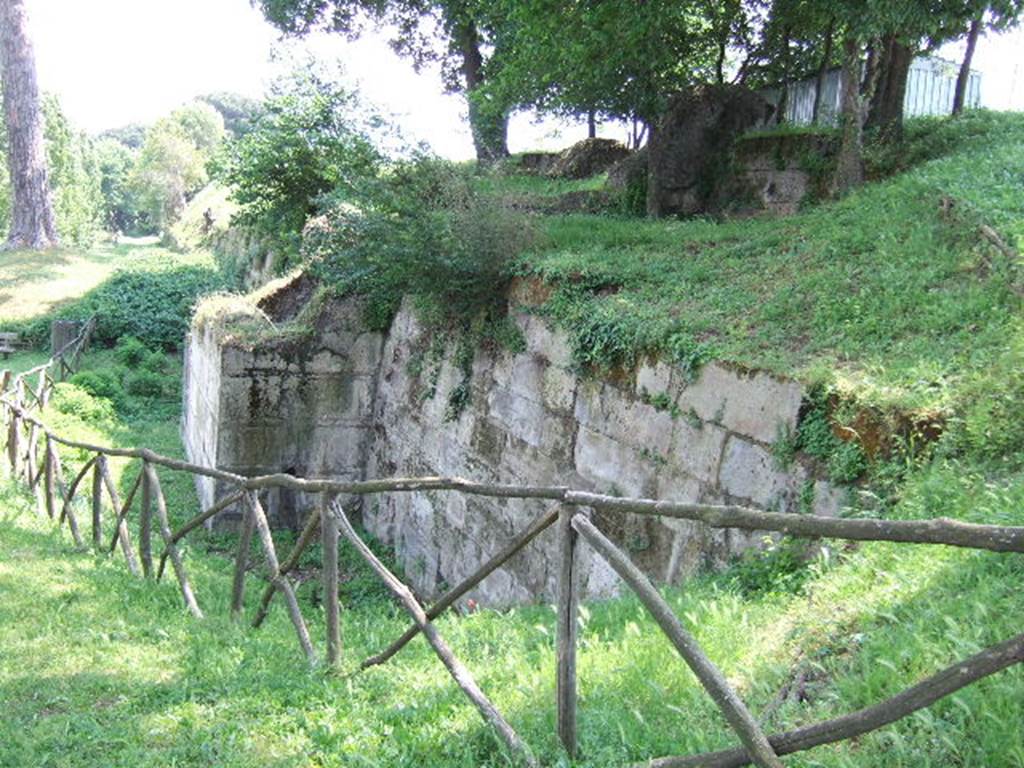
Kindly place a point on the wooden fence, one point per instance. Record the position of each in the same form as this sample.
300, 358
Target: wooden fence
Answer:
33, 456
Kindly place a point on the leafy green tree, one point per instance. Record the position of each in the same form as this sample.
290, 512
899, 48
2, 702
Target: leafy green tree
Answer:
171, 166
73, 177
470, 45
120, 207
311, 138
132, 135
239, 112
620, 58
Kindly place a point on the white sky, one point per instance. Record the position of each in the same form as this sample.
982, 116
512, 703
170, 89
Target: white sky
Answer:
113, 62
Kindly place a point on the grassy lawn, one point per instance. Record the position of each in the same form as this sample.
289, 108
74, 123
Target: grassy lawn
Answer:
35, 282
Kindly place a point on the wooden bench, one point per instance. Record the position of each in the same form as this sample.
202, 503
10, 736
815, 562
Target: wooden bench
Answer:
9, 342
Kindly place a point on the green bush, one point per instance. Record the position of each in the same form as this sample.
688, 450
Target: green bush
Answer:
101, 383
844, 460
152, 303
130, 352
308, 140
782, 566
74, 400
147, 384
154, 362
420, 230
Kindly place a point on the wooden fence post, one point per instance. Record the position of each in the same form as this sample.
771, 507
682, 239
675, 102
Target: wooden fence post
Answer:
97, 504
146, 522
121, 533
329, 547
566, 631
462, 676
165, 531
710, 677
242, 561
276, 578
305, 538
48, 479
14, 434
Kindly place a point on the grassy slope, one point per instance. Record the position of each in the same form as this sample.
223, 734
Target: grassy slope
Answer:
36, 282
885, 290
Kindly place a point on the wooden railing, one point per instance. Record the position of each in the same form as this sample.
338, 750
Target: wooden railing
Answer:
570, 510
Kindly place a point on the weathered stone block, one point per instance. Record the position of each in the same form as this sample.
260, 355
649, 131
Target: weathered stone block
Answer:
697, 449
755, 405
653, 378
612, 466
748, 472
606, 409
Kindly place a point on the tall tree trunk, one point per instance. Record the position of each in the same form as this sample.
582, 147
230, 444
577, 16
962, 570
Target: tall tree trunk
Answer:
849, 164
886, 103
965, 68
783, 106
32, 224
591, 124
488, 123
819, 82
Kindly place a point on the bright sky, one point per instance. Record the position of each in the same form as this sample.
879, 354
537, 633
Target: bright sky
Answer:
113, 62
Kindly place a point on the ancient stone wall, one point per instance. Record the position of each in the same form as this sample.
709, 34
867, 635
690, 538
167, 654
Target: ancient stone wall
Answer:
350, 404
780, 172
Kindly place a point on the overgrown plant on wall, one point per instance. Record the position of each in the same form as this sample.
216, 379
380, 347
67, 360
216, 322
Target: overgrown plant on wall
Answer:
421, 230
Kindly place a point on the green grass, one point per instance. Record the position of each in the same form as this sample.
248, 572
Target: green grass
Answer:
36, 282
882, 290
142, 290
100, 669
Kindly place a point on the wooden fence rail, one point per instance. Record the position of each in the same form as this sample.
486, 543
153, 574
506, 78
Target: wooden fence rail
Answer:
25, 436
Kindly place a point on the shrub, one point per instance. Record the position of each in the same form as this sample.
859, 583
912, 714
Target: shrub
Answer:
130, 352
419, 230
146, 384
782, 566
75, 401
100, 383
152, 303
154, 362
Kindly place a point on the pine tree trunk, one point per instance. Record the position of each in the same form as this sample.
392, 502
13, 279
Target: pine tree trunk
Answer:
32, 224
960, 96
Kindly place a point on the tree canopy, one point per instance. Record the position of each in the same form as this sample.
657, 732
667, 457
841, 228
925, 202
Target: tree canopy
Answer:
457, 35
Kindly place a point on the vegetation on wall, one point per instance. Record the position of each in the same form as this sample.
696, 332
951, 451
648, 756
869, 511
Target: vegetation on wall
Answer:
419, 229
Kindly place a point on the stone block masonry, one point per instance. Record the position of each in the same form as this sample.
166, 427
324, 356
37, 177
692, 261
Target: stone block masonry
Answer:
349, 403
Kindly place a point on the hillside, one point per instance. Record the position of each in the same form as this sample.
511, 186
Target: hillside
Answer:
894, 291
894, 297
